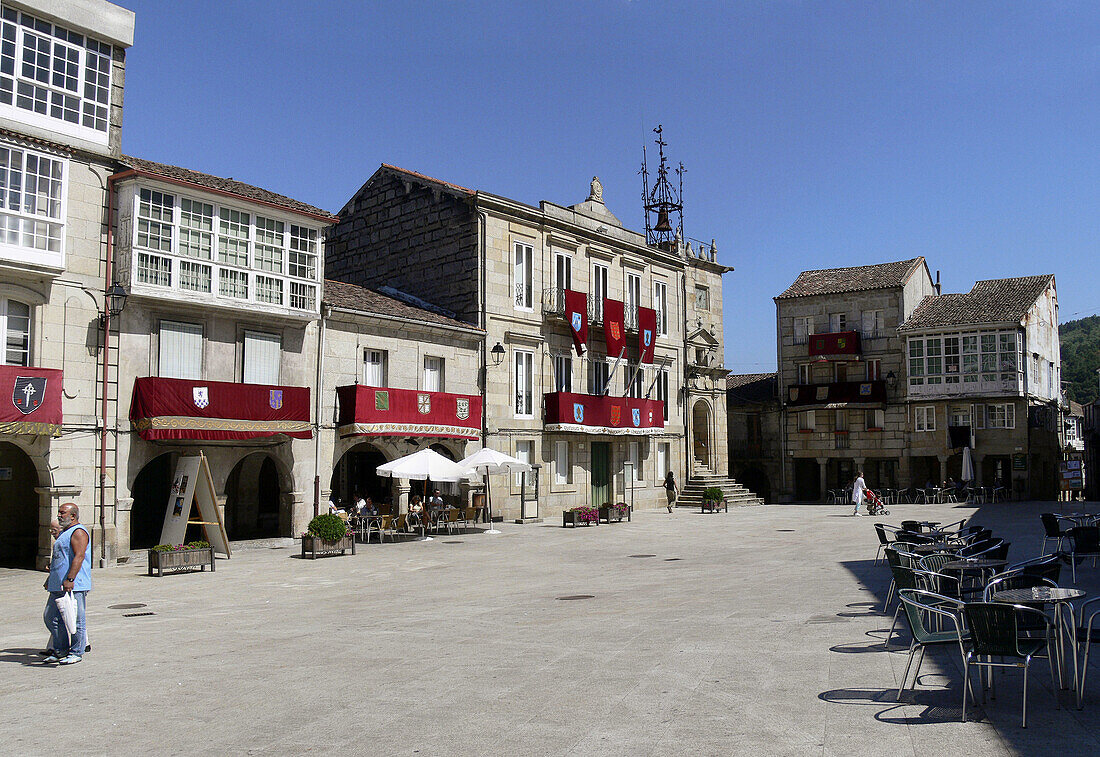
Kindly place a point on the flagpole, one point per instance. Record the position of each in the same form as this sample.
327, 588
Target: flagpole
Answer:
614, 368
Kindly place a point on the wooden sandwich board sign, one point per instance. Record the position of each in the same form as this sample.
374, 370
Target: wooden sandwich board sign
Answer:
192, 483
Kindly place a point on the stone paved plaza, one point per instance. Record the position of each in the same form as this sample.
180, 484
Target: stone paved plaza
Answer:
753, 632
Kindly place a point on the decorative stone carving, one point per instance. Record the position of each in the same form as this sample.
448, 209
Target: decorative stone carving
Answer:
596, 192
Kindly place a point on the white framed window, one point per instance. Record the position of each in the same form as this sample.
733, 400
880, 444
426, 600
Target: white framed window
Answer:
1000, 416
838, 322
598, 372
807, 420
563, 271
874, 323
702, 298
662, 391
197, 277
563, 373
154, 269
262, 354
433, 374
374, 367
599, 290
958, 415
876, 419
805, 373
303, 296
634, 455
633, 298
196, 233
874, 369
16, 319
977, 412
563, 469
524, 384
924, 418
841, 420
268, 288
54, 77
840, 372
269, 244
522, 271
180, 353
32, 193
525, 451
660, 304
664, 460
632, 380
233, 283
803, 326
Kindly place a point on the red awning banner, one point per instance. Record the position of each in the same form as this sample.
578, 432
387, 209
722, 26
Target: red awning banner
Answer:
31, 400
838, 393
179, 409
647, 333
613, 331
377, 411
840, 343
600, 414
576, 315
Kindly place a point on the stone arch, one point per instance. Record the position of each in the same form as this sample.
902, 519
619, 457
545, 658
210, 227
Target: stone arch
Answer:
354, 471
702, 447
254, 489
149, 492
20, 504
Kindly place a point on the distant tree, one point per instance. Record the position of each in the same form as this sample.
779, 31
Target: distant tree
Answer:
1080, 358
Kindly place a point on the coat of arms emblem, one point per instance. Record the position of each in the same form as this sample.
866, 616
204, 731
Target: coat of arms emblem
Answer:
424, 403
636, 416
575, 321
841, 343
381, 400
462, 409
616, 415
864, 390
578, 412
647, 337
275, 399
201, 395
616, 334
28, 393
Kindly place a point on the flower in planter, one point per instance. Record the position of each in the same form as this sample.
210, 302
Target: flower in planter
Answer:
181, 547
586, 514
328, 528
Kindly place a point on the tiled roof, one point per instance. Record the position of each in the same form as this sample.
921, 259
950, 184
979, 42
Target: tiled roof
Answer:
1076, 409
343, 295
856, 279
752, 387
229, 186
424, 177
991, 301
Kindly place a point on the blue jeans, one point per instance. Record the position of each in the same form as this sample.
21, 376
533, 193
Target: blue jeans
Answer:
63, 643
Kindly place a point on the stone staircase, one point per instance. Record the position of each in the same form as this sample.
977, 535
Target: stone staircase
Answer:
736, 495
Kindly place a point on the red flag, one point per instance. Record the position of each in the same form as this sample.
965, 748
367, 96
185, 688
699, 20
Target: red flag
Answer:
647, 333
613, 330
576, 315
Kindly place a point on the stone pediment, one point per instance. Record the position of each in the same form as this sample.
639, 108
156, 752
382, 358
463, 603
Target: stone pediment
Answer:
702, 338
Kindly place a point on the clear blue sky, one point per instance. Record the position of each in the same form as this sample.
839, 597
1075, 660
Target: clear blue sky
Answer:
815, 134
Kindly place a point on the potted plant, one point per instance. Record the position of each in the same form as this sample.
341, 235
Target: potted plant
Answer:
180, 557
327, 534
584, 515
712, 499
616, 511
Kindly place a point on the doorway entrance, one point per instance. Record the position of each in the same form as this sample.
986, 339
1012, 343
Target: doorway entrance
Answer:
18, 508
807, 480
150, 492
355, 473
700, 433
601, 473
252, 496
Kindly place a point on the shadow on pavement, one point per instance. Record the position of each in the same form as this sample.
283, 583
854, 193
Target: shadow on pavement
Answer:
21, 655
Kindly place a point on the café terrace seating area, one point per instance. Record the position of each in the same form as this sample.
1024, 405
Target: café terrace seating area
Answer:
961, 589
447, 519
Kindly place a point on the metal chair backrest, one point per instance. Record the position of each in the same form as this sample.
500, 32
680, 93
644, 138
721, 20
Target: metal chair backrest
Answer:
1000, 552
917, 602
1051, 569
883, 537
915, 538
904, 578
1085, 538
980, 547
911, 525
1050, 524
935, 562
993, 628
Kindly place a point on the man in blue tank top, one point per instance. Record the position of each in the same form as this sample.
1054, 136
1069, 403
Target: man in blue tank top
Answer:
70, 570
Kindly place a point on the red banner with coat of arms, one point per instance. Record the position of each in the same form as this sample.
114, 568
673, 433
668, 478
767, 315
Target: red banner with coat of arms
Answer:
839, 343
177, 409
647, 333
600, 414
576, 315
31, 401
613, 330
379, 411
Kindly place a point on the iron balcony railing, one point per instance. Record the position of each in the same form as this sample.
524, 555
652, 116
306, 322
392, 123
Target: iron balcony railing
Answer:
553, 301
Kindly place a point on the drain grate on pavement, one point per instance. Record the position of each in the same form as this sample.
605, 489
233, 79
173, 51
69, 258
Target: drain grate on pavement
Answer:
643, 555
576, 596
785, 530
454, 541
137, 614
126, 606
673, 559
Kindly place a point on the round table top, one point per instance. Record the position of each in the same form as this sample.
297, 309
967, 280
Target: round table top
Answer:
1037, 594
938, 546
974, 564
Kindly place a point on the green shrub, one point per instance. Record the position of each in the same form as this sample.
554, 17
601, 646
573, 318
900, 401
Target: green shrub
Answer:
713, 494
328, 527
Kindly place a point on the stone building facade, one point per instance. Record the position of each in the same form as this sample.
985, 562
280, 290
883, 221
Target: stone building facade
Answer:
59, 139
755, 432
504, 267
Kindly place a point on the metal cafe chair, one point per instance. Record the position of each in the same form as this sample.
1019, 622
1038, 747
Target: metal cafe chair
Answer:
1085, 541
918, 605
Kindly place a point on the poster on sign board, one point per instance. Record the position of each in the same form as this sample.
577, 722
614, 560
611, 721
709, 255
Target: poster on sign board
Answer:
193, 484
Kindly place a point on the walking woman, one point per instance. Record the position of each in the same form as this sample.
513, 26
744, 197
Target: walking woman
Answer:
670, 490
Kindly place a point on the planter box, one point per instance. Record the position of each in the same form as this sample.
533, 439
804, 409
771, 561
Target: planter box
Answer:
613, 515
570, 518
183, 560
314, 547
710, 506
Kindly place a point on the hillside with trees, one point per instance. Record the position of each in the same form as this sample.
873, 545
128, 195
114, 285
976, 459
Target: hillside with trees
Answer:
1081, 357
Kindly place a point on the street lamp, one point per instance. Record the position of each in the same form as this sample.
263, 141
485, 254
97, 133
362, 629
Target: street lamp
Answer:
115, 302
891, 380
498, 353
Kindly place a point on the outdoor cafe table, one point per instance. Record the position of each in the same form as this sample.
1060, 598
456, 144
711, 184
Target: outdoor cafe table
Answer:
927, 549
981, 566
1050, 595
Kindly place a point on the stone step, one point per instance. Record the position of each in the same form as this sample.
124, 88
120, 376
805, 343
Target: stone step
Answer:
735, 494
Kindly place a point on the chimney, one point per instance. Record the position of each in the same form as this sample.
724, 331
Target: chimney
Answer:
938, 289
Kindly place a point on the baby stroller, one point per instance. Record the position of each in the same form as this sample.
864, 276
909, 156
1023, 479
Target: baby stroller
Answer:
875, 505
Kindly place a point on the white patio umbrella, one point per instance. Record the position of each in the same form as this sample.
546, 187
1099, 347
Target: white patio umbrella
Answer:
967, 466
488, 461
423, 465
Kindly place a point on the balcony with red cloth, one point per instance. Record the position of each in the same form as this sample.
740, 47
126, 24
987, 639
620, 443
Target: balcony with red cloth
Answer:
35, 406
598, 414
840, 344
838, 394
382, 411
166, 409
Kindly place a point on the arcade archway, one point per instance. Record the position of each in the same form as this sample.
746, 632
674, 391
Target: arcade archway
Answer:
18, 508
355, 474
252, 499
150, 494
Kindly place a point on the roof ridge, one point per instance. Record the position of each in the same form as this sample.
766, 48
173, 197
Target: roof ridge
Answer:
425, 177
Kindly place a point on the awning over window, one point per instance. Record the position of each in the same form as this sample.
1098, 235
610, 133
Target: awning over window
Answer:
842, 343
594, 414
375, 411
31, 400
164, 408
837, 394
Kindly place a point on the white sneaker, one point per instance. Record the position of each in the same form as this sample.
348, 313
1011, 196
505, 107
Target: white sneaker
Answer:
51, 658
71, 659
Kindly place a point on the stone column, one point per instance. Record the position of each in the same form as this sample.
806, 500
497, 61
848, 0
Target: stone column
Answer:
976, 459
943, 469
823, 477
402, 498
